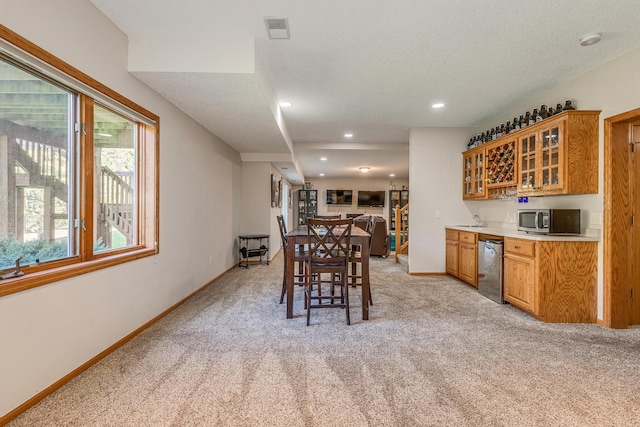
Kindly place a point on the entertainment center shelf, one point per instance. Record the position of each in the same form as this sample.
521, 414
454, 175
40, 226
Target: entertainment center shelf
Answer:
339, 200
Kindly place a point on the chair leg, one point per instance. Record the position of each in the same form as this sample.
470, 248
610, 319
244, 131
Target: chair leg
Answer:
284, 280
307, 292
345, 288
284, 290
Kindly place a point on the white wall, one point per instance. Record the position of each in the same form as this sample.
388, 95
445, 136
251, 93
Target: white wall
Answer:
435, 175
49, 331
256, 197
613, 88
276, 241
258, 217
355, 184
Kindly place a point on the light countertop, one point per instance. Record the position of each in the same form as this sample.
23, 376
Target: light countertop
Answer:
508, 232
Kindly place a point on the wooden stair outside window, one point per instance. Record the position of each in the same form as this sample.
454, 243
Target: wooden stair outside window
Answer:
44, 165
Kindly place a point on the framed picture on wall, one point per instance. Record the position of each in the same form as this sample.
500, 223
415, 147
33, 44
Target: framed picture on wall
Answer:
275, 195
279, 193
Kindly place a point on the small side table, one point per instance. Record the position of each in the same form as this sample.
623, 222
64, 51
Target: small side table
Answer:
248, 249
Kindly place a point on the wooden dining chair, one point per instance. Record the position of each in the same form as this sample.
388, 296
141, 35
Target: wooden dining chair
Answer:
327, 264
298, 257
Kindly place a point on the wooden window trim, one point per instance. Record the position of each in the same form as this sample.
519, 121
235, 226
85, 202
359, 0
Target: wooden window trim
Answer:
148, 201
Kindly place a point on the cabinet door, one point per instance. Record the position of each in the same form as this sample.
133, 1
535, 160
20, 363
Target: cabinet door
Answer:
452, 257
474, 175
394, 200
519, 280
404, 197
551, 161
312, 207
468, 267
467, 173
528, 162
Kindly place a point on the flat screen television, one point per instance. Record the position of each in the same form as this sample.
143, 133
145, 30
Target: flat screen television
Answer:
339, 197
371, 199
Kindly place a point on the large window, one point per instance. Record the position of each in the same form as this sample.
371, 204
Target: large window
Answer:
78, 171
37, 181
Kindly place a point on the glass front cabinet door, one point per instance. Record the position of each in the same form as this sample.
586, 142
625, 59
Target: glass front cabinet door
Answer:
541, 156
473, 174
551, 157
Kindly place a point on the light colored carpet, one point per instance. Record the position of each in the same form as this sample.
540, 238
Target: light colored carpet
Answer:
434, 353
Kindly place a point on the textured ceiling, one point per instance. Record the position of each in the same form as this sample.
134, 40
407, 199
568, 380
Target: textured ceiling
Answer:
373, 68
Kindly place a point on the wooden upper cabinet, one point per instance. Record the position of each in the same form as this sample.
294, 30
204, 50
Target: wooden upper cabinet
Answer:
473, 175
558, 155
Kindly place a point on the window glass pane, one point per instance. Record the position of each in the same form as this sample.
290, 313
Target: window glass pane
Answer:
115, 180
36, 189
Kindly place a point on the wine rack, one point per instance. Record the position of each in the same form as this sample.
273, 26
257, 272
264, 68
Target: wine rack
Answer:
500, 161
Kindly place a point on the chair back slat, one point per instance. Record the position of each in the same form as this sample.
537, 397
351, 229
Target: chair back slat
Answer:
329, 240
283, 230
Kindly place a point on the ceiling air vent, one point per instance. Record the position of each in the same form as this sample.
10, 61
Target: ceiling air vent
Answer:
278, 28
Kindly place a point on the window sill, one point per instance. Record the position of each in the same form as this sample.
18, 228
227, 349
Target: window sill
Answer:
39, 278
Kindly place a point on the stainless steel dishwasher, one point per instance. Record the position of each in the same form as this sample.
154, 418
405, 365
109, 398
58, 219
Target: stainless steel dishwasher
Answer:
490, 269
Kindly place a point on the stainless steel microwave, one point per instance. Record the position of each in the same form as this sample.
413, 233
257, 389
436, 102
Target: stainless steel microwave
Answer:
549, 221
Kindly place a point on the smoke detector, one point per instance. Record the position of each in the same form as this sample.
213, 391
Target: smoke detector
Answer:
590, 39
277, 28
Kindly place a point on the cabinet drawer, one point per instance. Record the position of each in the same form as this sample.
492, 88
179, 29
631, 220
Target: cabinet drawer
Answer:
467, 237
452, 234
520, 247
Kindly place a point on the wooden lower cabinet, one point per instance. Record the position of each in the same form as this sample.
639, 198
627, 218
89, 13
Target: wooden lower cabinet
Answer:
519, 274
468, 268
453, 260
553, 280
462, 255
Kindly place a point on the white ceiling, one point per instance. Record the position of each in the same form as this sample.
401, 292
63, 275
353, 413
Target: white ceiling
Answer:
370, 67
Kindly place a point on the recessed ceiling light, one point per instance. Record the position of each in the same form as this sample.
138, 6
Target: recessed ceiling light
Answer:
438, 105
321, 174
324, 159
590, 39
364, 169
286, 104
392, 175
348, 135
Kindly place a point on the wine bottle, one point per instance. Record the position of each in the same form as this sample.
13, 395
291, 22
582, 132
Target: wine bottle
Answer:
568, 106
543, 112
516, 123
536, 116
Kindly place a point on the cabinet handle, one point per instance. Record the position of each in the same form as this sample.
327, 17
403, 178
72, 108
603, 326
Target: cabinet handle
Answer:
516, 246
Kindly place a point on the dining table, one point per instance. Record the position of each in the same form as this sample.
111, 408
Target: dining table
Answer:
299, 236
